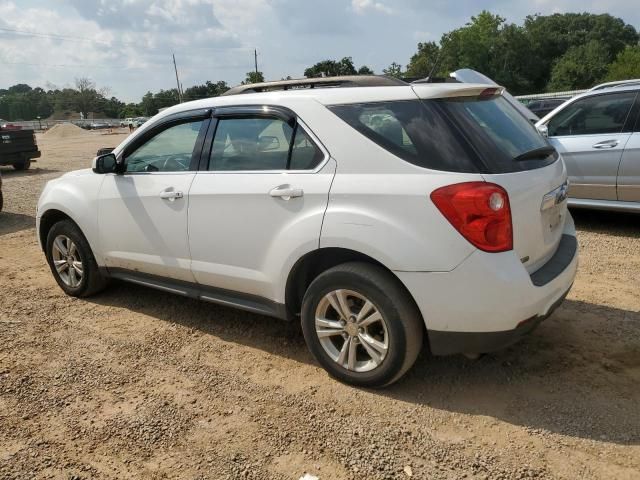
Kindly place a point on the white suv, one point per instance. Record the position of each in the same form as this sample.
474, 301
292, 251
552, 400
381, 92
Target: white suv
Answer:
377, 216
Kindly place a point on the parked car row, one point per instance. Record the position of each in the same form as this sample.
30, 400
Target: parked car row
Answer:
134, 122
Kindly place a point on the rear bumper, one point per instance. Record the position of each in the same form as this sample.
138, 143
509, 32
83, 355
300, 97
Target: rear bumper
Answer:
490, 301
449, 343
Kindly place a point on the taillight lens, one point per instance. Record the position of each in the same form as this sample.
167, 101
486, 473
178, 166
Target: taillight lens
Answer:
480, 211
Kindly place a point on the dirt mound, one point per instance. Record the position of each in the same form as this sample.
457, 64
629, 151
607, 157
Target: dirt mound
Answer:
64, 130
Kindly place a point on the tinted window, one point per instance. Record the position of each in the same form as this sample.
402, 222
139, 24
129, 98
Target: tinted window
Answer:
260, 143
464, 134
599, 114
168, 151
305, 155
250, 144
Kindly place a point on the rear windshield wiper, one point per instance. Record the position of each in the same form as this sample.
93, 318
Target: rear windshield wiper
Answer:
541, 152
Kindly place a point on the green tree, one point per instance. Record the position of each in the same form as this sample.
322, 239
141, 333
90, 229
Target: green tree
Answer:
626, 65
522, 57
209, 89
112, 107
364, 70
394, 70
580, 67
551, 36
253, 77
423, 61
87, 98
148, 105
131, 110
331, 68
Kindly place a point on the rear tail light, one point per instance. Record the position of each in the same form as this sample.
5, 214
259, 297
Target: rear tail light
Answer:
480, 211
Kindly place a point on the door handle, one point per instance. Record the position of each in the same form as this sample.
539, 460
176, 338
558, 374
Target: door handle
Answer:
286, 192
170, 195
606, 144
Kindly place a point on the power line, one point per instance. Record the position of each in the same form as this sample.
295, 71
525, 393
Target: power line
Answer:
52, 35
123, 67
78, 39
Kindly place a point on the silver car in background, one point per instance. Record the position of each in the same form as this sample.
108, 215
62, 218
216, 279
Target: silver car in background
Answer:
598, 135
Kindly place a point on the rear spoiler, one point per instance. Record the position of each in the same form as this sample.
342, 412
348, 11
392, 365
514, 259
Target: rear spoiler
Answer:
466, 75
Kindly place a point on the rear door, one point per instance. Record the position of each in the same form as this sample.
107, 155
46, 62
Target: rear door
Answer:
258, 200
591, 134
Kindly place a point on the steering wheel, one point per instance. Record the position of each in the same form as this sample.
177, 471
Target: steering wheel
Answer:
175, 163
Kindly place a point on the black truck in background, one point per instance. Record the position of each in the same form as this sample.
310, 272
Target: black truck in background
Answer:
18, 147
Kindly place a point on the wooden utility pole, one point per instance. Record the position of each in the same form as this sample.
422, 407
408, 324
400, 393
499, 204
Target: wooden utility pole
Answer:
255, 58
175, 67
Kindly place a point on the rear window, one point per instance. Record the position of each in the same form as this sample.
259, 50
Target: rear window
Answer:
463, 134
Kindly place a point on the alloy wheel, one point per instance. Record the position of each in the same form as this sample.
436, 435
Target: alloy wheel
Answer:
351, 330
67, 261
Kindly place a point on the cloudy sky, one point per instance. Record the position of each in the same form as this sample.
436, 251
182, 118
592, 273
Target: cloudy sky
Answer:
126, 45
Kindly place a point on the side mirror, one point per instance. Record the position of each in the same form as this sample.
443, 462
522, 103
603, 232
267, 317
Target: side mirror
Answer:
543, 130
107, 163
267, 143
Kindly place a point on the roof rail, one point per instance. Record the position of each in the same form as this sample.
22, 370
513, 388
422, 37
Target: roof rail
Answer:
322, 82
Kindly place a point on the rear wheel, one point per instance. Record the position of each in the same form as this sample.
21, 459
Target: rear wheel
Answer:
361, 324
23, 164
71, 260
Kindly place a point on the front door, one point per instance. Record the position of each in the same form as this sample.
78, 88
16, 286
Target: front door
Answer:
591, 134
258, 204
142, 213
629, 175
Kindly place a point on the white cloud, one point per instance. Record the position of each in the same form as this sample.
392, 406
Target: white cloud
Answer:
127, 44
362, 6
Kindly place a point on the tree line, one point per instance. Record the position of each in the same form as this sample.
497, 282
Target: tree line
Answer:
546, 53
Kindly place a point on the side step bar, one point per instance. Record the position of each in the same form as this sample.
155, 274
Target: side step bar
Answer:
250, 303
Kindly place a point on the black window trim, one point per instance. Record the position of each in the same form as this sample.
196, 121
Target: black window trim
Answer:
627, 127
634, 115
262, 110
187, 116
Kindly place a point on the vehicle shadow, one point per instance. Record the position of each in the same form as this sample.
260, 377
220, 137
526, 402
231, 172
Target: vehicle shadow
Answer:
569, 377
15, 222
10, 172
620, 224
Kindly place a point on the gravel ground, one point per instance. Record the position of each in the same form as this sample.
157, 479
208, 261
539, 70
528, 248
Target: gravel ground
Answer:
138, 383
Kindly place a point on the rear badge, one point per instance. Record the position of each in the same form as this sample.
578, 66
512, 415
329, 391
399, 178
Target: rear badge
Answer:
555, 197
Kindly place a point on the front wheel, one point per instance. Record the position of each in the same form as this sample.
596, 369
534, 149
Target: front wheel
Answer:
361, 324
71, 260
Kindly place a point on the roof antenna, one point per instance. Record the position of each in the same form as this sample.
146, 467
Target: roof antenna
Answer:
435, 65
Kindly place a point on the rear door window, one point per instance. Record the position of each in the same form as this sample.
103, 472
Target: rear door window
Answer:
262, 143
600, 114
463, 134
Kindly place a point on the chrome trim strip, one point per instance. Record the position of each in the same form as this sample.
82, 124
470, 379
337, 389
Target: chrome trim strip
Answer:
612, 205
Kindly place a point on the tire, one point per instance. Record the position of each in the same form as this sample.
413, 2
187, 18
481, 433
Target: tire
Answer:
1, 200
90, 280
23, 165
400, 327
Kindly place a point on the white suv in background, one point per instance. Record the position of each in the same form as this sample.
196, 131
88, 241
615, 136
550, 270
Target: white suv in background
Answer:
377, 216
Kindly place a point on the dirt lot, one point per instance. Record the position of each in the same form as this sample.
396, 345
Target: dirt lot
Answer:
139, 383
